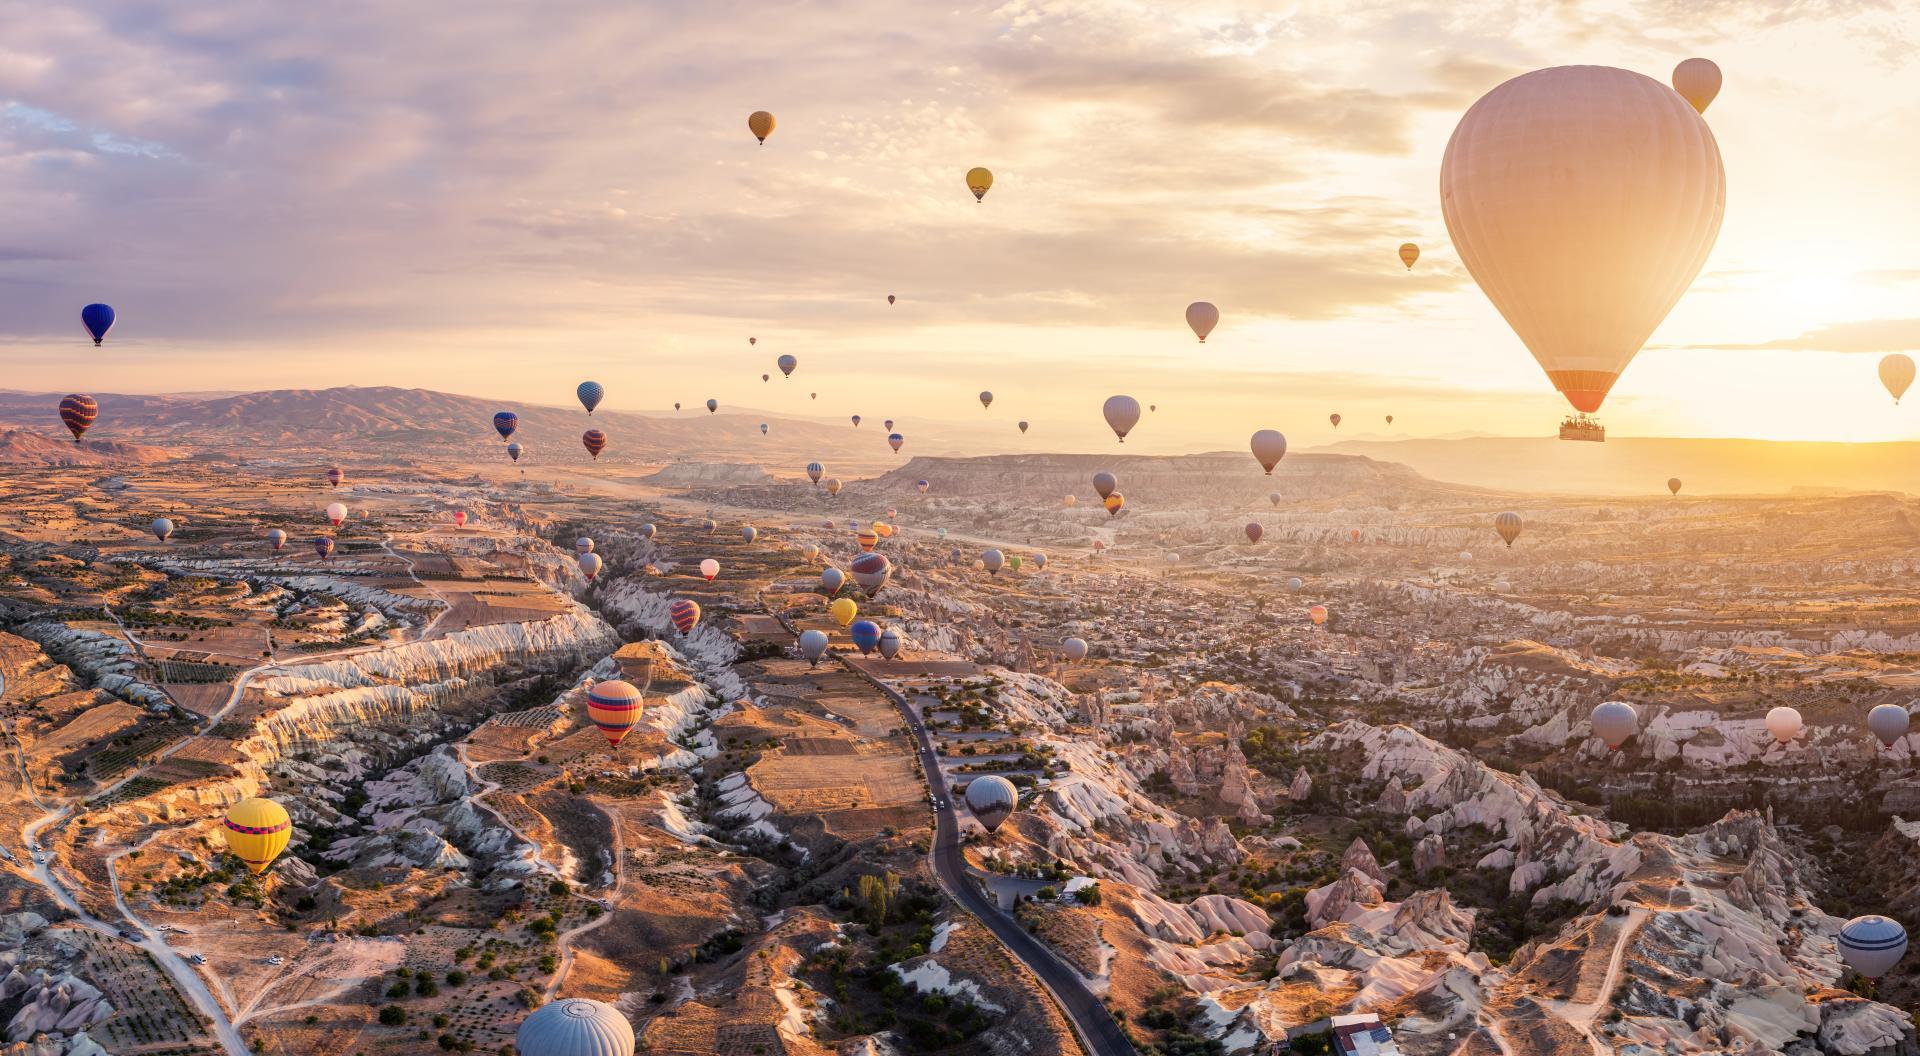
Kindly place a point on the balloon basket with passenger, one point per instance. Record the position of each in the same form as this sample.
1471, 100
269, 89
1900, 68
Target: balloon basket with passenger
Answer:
1582, 427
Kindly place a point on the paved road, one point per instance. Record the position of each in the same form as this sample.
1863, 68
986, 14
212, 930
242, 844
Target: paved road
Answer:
1099, 1033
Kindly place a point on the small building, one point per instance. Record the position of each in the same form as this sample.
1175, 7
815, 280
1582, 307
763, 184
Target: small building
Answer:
1362, 1035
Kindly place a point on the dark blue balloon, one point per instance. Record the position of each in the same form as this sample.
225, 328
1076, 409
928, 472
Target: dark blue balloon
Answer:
865, 635
505, 423
97, 318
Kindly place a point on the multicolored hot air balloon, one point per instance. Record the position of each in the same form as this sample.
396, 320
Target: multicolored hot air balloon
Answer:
1114, 504
685, 613
1698, 82
843, 610
336, 512
760, 123
813, 646
1583, 200
1507, 526
891, 642
868, 539
979, 181
590, 394
594, 441
647, 530
1269, 447
335, 477
894, 440
1318, 614
78, 411
786, 365
1896, 373
1202, 316
276, 539
98, 319
814, 469
1122, 414
865, 635
614, 707
257, 830
992, 799
1255, 531
590, 565
323, 546
871, 572
505, 422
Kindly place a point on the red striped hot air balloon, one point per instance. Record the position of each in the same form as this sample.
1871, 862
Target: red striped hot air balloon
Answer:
613, 707
78, 411
594, 441
685, 613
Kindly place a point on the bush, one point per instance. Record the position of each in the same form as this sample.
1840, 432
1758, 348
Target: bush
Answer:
393, 1016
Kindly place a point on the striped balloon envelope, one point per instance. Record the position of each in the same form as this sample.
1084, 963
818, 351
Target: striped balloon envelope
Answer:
868, 539
257, 831
865, 635
594, 441
505, 422
613, 707
78, 412
685, 613
1872, 945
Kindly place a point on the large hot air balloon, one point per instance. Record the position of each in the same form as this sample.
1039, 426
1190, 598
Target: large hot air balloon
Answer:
712, 406
1583, 200
1888, 722
514, 451
336, 512
583, 544
979, 181
1114, 504
891, 642
994, 560
871, 571
832, 579
594, 441
843, 610
1697, 81
867, 538
1254, 531
814, 469
614, 708
323, 546
760, 123
1408, 254
335, 477
1318, 614
865, 635
992, 800
78, 412
590, 393
1784, 724
1896, 373
98, 319
1673, 485
1202, 316
685, 613
1872, 945
575, 1026
1507, 526
1122, 414
894, 440
1614, 722
813, 646
1104, 483
786, 364
276, 539
1269, 447
590, 565
709, 568
833, 486
505, 422
986, 399
257, 831
1075, 649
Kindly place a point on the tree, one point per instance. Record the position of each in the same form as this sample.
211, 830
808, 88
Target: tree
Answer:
393, 1016
879, 892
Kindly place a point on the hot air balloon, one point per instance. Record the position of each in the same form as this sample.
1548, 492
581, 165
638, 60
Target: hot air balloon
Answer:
712, 406
763, 428
647, 530
1202, 316
813, 646
590, 394
574, 1026
1023, 425
994, 560
1318, 614
1274, 498
505, 422
1104, 483
979, 180
335, 477
161, 528
887, 425
1254, 531
1583, 200
459, 518
814, 469
1784, 724
842, 610
1039, 561
753, 340
786, 365
1013, 562
257, 831
78, 412
889, 298
583, 545
1296, 585
1075, 649
98, 319
832, 579
336, 512
709, 568
1070, 501
1871, 945
894, 440
766, 377
856, 421
1697, 81
865, 635
614, 708
676, 405
986, 399
1673, 485
1888, 722
760, 123
891, 642
514, 451
833, 486
1122, 414
922, 485
1114, 504
1408, 254
1389, 419
1896, 373
1269, 447
590, 565
1507, 526
323, 545
809, 552
992, 800
685, 613
867, 538
594, 441
276, 539
1335, 419
1614, 722
1356, 535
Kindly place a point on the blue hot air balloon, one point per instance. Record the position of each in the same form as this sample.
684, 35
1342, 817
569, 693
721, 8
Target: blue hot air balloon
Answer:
505, 422
865, 635
98, 319
590, 394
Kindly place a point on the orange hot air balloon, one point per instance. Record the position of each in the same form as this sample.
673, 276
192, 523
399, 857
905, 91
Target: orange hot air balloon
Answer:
868, 539
614, 707
1318, 614
1356, 535
760, 123
1114, 503
1408, 254
594, 441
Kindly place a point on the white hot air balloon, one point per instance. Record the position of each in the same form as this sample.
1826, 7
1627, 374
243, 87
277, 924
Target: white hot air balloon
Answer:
1896, 373
1269, 447
1122, 414
336, 512
1583, 200
574, 1026
813, 645
993, 561
590, 565
709, 568
1784, 724
1075, 649
1872, 945
1614, 722
1203, 317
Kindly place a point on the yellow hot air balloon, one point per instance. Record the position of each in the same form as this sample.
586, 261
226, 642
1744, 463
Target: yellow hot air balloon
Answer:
1114, 503
257, 831
843, 611
979, 180
1408, 254
1896, 373
1583, 200
760, 123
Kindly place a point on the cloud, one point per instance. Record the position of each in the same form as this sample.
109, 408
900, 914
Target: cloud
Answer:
1868, 335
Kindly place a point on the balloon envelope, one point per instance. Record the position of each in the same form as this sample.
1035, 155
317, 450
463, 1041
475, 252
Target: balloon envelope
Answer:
590, 565
1697, 81
1872, 945
1075, 649
760, 123
590, 394
1254, 531
992, 800
257, 830
1614, 722
614, 708
98, 319
276, 538
1673, 485
1104, 483
514, 451
1269, 447
709, 568
1122, 414
1784, 724
986, 399
1896, 373
594, 441
865, 635
786, 364
813, 645
77, 412
993, 560
685, 613
1408, 254
843, 611
1202, 316
336, 512
505, 422
832, 579
871, 571
1507, 526
574, 1026
891, 642
1888, 723
979, 181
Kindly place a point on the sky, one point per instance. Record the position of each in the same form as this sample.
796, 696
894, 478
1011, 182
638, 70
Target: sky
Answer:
512, 199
